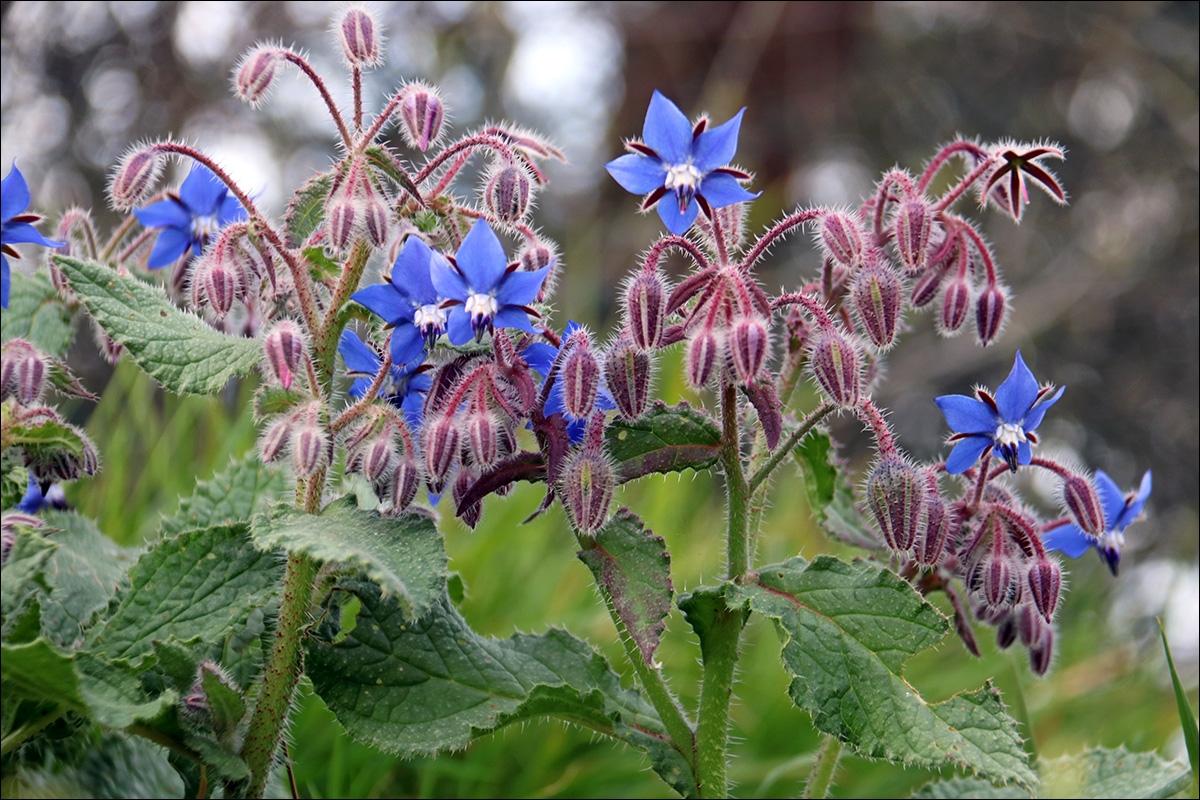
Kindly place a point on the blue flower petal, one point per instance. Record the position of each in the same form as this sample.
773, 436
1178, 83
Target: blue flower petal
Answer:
447, 282
1070, 540
520, 288
386, 302
231, 211
14, 194
966, 453
513, 317
408, 345
169, 213
411, 274
717, 147
458, 326
1016, 395
1034, 417
171, 244
722, 189
413, 406
967, 415
1024, 453
676, 222
637, 174
202, 191
357, 355
481, 258
1112, 499
540, 357
24, 233
667, 131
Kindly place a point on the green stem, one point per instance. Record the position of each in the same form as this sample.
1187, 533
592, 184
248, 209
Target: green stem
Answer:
821, 777
720, 650
736, 489
326, 341
18, 737
781, 452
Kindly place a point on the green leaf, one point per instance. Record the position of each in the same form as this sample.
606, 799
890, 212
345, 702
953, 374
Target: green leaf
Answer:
1098, 773
847, 629
115, 696
126, 767
42, 436
227, 498
198, 586
25, 623
420, 687
23, 572
83, 575
178, 349
36, 314
1187, 720
404, 554
830, 496
379, 158
633, 569
320, 265
224, 702
37, 671
665, 439
14, 479
271, 400
700, 608
307, 209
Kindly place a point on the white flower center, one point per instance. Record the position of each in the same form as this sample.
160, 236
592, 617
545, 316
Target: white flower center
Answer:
482, 309
430, 320
683, 177
1010, 435
204, 227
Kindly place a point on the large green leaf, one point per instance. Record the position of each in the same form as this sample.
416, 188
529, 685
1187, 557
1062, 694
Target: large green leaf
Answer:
14, 478
404, 554
420, 687
1099, 773
664, 439
227, 498
830, 496
24, 570
200, 585
36, 314
633, 569
178, 349
126, 767
847, 629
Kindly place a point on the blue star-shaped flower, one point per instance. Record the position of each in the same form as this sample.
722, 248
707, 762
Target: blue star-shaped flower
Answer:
1119, 511
484, 291
190, 217
1006, 422
540, 356
17, 226
690, 162
405, 386
408, 302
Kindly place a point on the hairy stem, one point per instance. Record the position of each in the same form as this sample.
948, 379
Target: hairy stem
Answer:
819, 413
821, 777
720, 652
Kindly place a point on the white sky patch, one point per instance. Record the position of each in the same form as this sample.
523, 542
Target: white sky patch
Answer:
203, 31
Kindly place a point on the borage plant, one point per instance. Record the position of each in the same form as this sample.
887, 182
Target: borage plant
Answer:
448, 376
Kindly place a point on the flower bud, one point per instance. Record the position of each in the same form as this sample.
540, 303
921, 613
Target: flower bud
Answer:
483, 439
1006, 631
310, 449
646, 309
405, 479
136, 174
990, 309
441, 447
15, 352
223, 285
956, 302
580, 378
360, 38
877, 299
895, 497
379, 456
999, 583
255, 75
30, 378
926, 287
1045, 585
1030, 624
1041, 654
934, 528
375, 214
422, 113
627, 372
586, 487
748, 343
285, 349
507, 193
841, 238
341, 211
275, 439
1083, 504
701, 357
835, 363
913, 224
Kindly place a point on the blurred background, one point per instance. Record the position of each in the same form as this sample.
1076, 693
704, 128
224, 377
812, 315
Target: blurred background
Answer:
1105, 299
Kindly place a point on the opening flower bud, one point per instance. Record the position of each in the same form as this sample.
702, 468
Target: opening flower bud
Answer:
627, 372
586, 488
913, 224
360, 38
835, 364
876, 294
895, 496
646, 309
422, 113
284, 348
507, 193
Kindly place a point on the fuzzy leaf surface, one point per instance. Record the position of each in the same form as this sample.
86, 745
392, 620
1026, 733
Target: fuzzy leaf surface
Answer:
404, 555
829, 493
229, 497
178, 349
633, 568
664, 439
36, 314
307, 209
14, 479
24, 571
434, 684
846, 631
201, 585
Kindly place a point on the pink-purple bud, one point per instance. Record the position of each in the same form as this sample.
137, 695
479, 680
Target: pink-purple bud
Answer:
342, 210
17, 353
462, 484
876, 294
483, 439
1030, 624
422, 113
1006, 631
586, 488
646, 309
748, 345
379, 456
841, 238
275, 440
702, 352
956, 303
990, 309
256, 74
507, 193
999, 580
405, 480
135, 177
926, 287
359, 34
580, 378
223, 285
913, 224
1041, 654
441, 447
835, 364
1083, 504
937, 521
375, 214
285, 350
30, 378
310, 449
895, 496
1045, 585
627, 372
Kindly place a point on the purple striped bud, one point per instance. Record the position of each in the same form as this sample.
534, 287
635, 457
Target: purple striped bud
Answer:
285, 350
1000, 581
483, 439
255, 75
342, 210
627, 372
956, 303
990, 308
748, 344
936, 523
462, 484
876, 294
30, 378
379, 456
275, 440
586, 487
646, 309
1006, 631
701, 357
1045, 585
913, 224
1083, 504
310, 449
441, 447
15, 354
223, 285
375, 214
405, 480
507, 193
360, 37
422, 113
1041, 655
580, 378
841, 238
894, 496
1030, 624
136, 175
835, 361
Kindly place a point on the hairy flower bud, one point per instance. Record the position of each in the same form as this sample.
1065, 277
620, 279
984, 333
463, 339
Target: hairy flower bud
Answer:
956, 303
462, 484
1041, 654
1030, 624
646, 309
627, 372
379, 456
375, 214
405, 480
15, 355
285, 350
999, 581
441, 447
841, 238
748, 344
913, 224
30, 378
702, 352
359, 34
507, 192
935, 525
835, 361
224, 284
876, 294
483, 438
310, 449
274, 440
586, 487
580, 378
927, 286
255, 74
342, 210
1045, 585
895, 497
136, 175
1006, 631
1083, 504
990, 308
422, 113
